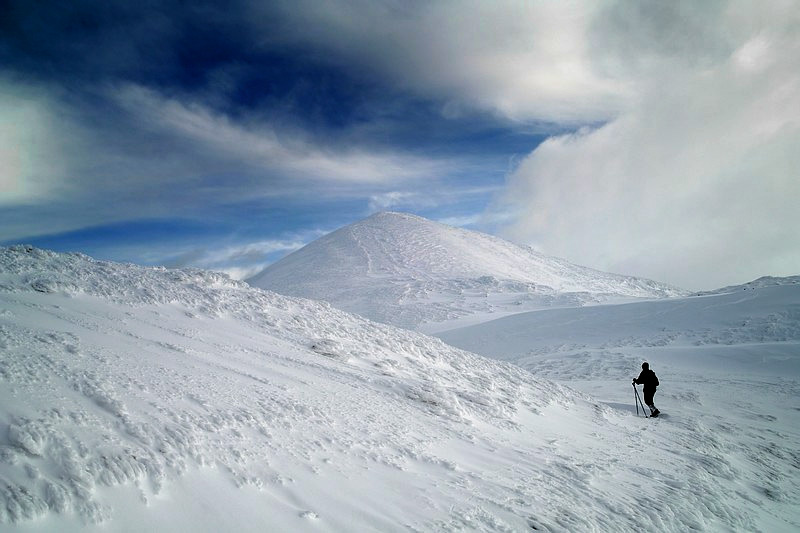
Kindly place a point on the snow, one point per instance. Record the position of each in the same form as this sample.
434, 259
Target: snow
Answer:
728, 363
411, 272
137, 398
765, 281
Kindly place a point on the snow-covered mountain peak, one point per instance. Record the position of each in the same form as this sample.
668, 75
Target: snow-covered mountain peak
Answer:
407, 270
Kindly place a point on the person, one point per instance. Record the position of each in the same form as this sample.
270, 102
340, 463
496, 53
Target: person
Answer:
650, 381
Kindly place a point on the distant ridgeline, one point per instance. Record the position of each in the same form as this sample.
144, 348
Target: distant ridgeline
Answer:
764, 281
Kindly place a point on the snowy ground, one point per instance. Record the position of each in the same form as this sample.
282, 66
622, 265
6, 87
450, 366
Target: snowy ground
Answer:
148, 399
729, 367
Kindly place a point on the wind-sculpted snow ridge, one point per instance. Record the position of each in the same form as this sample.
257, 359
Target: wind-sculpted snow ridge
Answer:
411, 272
135, 399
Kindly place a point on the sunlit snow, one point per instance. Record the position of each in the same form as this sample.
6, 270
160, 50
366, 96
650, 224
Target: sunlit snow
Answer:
137, 399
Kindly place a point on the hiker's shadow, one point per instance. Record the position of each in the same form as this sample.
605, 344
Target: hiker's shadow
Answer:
628, 408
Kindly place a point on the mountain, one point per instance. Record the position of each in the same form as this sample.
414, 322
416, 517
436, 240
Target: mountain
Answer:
148, 399
412, 272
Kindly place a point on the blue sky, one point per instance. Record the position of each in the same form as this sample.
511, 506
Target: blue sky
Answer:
225, 136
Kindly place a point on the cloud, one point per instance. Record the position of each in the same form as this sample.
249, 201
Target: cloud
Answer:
526, 61
696, 182
243, 260
264, 147
131, 153
392, 199
435, 195
461, 221
31, 133
53, 167
688, 115
522, 60
64, 166
256, 250
168, 112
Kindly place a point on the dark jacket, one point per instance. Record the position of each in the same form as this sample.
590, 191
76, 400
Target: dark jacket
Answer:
648, 379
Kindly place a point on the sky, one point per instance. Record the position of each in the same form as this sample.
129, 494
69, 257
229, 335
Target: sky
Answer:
656, 139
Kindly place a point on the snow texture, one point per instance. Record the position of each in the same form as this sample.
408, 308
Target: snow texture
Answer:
136, 399
411, 272
729, 367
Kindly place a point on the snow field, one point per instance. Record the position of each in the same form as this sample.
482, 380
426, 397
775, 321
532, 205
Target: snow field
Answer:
136, 398
728, 364
119, 380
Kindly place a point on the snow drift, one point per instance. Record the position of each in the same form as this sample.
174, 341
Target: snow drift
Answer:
411, 272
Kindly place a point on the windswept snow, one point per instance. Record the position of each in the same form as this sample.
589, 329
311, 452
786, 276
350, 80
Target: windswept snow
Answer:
411, 272
139, 399
729, 367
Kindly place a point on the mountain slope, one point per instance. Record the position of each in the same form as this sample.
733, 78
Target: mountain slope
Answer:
408, 271
139, 399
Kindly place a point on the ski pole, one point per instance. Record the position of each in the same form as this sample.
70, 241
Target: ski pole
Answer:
636, 391
640, 402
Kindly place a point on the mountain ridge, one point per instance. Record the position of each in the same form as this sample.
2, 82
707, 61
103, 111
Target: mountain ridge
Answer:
763, 281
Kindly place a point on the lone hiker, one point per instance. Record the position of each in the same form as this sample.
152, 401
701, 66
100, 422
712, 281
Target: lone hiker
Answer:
650, 381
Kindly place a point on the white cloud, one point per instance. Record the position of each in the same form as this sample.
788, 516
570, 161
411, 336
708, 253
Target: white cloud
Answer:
460, 221
433, 195
261, 146
247, 260
52, 166
523, 60
697, 181
65, 165
32, 144
397, 200
255, 251
239, 260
